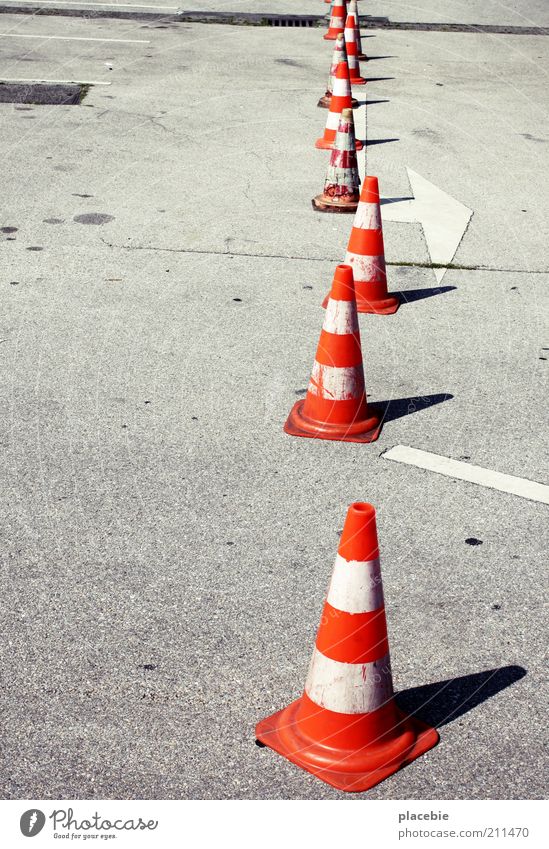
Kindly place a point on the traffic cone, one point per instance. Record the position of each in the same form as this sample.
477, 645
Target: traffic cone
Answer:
337, 20
341, 99
339, 55
342, 184
346, 728
352, 52
366, 254
353, 10
335, 404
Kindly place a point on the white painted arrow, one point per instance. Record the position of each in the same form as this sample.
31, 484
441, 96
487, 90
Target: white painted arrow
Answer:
443, 218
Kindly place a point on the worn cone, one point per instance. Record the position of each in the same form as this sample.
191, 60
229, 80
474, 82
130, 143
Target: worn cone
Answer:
342, 185
340, 100
346, 728
337, 20
335, 404
353, 10
339, 55
352, 52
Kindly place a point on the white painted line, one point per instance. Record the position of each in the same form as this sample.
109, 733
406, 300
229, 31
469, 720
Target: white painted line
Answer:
467, 472
53, 82
74, 38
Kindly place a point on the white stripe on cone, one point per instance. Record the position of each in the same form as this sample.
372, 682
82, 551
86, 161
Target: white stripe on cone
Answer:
356, 585
332, 121
369, 268
341, 87
349, 34
367, 216
341, 318
349, 687
340, 177
336, 383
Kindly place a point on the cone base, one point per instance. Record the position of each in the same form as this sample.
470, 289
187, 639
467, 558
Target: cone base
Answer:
358, 770
331, 36
324, 203
388, 306
324, 102
362, 57
366, 430
358, 81
322, 144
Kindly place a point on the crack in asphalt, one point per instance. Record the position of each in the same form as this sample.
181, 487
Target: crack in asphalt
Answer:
402, 264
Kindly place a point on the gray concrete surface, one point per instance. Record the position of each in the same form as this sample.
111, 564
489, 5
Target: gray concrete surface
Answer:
166, 547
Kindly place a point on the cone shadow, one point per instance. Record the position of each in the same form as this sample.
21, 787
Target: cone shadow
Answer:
419, 294
386, 201
378, 79
440, 703
396, 409
372, 142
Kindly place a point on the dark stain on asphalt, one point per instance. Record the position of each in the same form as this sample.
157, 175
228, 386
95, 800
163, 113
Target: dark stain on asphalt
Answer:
149, 666
35, 248
76, 195
496, 607
93, 218
14, 282
307, 287
238, 300
530, 137
52, 220
473, 541
300, 392
9, 229
289, 62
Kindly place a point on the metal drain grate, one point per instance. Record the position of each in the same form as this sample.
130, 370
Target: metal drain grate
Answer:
289, 21
43, 94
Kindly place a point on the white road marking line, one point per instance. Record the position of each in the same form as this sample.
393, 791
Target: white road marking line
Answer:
74, 38
53, 82
467, 472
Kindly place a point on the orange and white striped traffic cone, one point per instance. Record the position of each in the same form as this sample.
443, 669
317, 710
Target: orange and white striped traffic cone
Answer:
366, 254
342, 185
352, 52
340, 100
335, 404
337, 20
346, 728
339, 55
353, 10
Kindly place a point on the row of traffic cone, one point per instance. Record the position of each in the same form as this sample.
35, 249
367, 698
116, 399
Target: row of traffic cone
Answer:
346, 727
347, 48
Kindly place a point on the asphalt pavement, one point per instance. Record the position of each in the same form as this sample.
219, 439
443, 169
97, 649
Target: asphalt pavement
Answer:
165, 546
